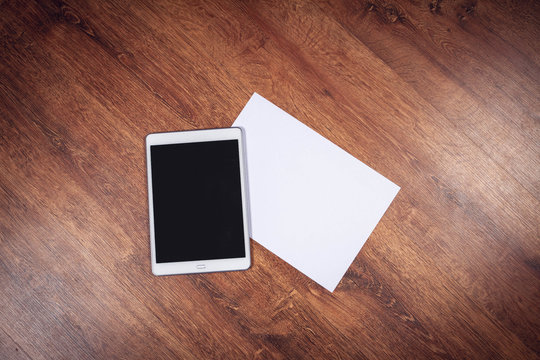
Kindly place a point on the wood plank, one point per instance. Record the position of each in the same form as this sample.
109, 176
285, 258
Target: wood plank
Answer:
450, 272
80, 173
10, 349
458, 202
110, 182
465, 62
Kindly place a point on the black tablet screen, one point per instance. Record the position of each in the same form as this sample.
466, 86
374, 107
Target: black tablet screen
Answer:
197, 201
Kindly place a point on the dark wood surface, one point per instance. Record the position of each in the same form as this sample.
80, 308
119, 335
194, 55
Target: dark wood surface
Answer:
442, 97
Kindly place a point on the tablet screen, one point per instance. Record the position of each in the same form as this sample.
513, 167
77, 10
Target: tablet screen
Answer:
197, 201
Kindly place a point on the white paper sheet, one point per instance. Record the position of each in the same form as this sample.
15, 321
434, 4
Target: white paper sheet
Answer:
312, 204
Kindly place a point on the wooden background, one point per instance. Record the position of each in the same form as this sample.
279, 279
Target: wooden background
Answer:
442, 97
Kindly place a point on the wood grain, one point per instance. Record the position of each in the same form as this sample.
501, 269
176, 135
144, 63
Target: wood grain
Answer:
442, 97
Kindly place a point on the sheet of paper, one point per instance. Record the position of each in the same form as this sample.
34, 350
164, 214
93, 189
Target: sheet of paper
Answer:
312, 204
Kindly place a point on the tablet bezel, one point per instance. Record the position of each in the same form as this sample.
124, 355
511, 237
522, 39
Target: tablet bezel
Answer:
199, 266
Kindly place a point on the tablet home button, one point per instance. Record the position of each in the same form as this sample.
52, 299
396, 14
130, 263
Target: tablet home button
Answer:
201, 266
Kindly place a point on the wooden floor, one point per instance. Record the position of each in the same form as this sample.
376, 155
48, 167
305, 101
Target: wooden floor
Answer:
442, 97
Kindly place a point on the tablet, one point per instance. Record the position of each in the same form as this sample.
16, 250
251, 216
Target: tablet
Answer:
197, 201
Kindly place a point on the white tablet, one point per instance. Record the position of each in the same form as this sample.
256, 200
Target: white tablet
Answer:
197, 201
